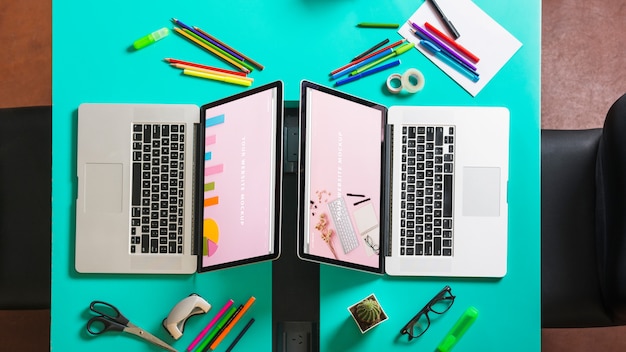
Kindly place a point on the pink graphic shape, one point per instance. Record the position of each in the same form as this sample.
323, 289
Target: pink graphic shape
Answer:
212, 170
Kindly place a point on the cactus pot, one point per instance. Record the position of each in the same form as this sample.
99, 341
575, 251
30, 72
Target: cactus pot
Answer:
367, 313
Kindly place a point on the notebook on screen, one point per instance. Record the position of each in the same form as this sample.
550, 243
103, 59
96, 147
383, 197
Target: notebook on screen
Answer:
409, 190
177, 188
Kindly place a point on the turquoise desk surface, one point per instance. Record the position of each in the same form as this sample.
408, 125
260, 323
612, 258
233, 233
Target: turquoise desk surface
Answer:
295, 40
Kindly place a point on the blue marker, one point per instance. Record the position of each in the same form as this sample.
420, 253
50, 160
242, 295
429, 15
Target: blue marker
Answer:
367, 73
430, 47
424, 35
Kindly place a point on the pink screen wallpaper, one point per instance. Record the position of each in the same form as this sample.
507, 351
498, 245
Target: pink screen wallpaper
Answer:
238, 179
344, 169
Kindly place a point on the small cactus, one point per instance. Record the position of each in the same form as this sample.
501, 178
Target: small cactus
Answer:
368, 311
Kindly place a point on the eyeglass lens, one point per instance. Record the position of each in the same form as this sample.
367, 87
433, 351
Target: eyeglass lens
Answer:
443, 303
440, 304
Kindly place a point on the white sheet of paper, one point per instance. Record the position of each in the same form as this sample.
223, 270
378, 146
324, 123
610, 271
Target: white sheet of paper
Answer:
479, 34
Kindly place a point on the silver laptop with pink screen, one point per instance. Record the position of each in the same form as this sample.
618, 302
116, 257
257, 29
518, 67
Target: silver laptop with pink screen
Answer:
174, 188
409, 190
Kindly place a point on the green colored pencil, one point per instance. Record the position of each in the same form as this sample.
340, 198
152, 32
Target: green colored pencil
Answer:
216, 329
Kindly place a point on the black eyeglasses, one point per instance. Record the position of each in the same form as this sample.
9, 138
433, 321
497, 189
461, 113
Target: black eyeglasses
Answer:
440, 304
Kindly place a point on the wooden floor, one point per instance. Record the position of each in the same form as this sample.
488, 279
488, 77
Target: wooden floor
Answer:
583, 61
583, 72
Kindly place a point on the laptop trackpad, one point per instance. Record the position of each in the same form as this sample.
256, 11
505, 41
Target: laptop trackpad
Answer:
481, 191
103, 188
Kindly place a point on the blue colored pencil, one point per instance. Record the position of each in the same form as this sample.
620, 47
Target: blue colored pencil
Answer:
240, 335
210, 40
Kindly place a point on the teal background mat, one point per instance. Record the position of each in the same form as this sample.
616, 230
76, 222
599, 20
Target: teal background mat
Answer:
294, 40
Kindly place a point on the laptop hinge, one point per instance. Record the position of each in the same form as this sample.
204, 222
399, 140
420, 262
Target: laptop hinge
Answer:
196, 205
387, 198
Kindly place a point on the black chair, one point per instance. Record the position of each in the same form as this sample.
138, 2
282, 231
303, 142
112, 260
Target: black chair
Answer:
583, 225
25, 207
25, 221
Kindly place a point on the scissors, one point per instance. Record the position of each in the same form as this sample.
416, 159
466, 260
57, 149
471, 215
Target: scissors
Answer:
110, 319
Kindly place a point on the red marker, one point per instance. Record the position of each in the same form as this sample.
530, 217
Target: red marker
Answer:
451, 41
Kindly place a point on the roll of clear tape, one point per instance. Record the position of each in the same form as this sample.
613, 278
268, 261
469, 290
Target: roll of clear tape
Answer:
408, 84
390, 86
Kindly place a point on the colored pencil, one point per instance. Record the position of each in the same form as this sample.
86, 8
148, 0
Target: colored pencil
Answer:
226, 317
213, 321
232, 323
176, 61
240, 335
370, 50
221, 329
215, 77
211, 48
243, 63
451, 41
217, 44
199, 69
368, 56
245, 58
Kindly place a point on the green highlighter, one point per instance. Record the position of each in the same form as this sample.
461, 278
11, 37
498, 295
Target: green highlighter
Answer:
151, 38
395, 52
460, 327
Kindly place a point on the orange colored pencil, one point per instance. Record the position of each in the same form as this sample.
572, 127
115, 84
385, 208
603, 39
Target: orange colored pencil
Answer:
232, 323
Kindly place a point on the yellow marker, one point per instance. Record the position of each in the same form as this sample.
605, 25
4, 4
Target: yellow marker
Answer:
216, 77
151, 38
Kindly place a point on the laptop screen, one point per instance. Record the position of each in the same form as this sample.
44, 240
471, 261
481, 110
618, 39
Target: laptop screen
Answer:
341, 176
241, 178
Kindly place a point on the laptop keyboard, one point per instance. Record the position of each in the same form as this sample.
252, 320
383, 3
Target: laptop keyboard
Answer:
426, 198
343, 225
157, 188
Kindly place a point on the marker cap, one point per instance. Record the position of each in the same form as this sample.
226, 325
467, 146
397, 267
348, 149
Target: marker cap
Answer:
151, 38
404, 48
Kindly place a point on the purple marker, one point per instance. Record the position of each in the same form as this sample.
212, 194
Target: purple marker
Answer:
423, 34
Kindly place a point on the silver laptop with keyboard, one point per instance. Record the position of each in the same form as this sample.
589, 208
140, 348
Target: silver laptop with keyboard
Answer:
429, 198
449, 210
176, 188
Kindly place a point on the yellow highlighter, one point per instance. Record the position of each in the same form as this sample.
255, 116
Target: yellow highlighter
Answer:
151, 38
